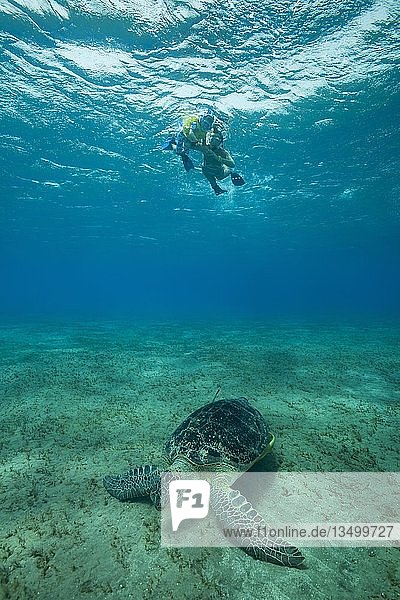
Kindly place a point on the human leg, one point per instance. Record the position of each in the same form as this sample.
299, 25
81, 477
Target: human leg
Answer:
213, 182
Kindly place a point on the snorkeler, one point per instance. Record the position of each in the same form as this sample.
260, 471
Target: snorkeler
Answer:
218, 162
191, 134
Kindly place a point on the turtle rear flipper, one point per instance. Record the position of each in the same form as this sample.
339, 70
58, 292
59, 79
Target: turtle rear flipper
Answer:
279, 552
136, 483
238, 515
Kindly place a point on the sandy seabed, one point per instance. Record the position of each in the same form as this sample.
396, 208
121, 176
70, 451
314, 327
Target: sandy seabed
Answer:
82, 400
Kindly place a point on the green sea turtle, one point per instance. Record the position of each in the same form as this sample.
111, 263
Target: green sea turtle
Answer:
223, 436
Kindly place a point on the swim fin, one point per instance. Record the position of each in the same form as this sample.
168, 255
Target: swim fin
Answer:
237, 179
187, 162
168, 144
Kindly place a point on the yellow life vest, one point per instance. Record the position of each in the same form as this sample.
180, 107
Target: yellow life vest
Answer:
199, 132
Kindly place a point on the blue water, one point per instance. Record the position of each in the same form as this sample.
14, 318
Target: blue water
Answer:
97, 220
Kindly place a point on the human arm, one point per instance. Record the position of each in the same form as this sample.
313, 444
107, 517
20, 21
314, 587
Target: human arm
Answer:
226, 159
220, 155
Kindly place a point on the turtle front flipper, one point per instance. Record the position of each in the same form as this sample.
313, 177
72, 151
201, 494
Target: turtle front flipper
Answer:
136, 483
249, 531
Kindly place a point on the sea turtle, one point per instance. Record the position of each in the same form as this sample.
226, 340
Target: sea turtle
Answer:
223, 436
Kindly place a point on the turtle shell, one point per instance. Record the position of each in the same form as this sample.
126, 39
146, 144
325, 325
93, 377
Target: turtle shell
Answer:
226, 432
